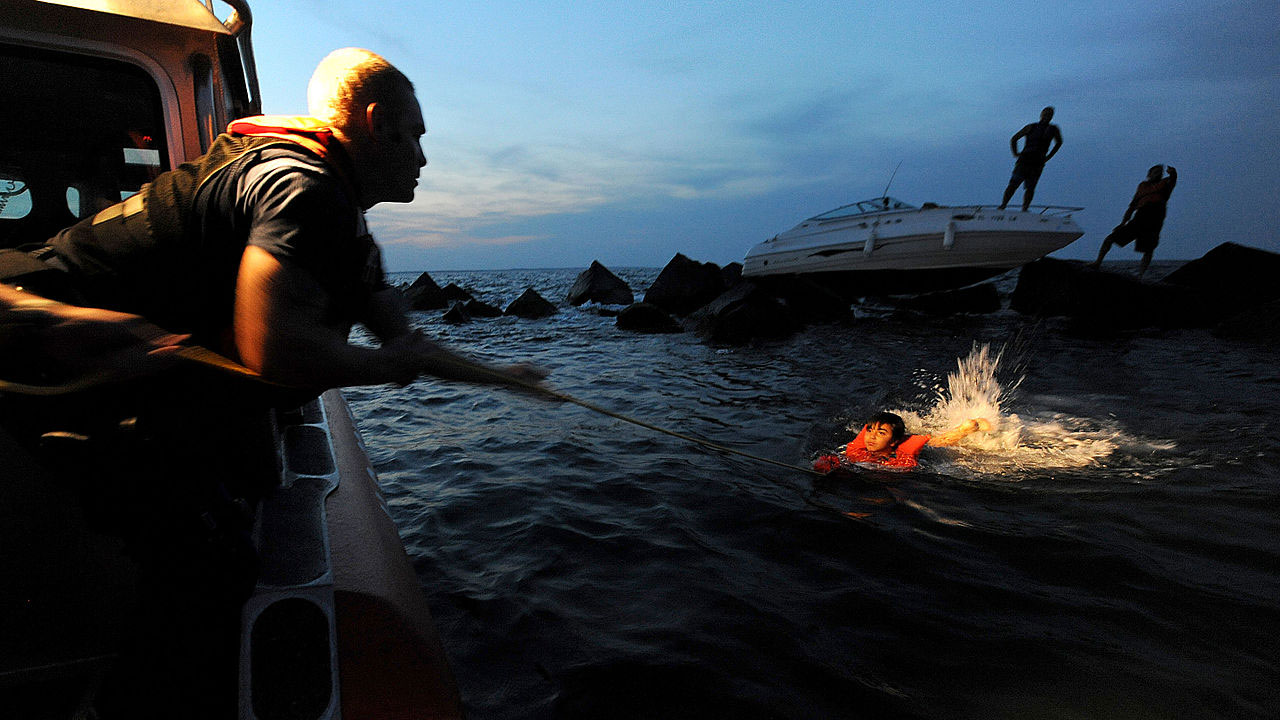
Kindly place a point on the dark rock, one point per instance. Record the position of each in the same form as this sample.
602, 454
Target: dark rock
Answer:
1258, 322
685, 285
812, 301
982, 298
531, 306
1231, 275
453, 293
597, 284
746, 312
1070, 288
731, 274
478, 308
646, 318
425, 294
457, 314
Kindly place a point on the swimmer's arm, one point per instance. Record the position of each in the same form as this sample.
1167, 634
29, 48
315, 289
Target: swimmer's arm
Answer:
960, 432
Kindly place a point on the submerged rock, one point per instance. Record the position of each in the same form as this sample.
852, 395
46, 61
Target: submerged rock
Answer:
457, 314
597, 284
685, 285
810, 300
744, 313
478, 308
1258, 322
531, 306
647, 318
979, 299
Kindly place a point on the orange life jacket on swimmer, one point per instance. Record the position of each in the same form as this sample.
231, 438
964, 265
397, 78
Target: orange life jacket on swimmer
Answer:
905, 455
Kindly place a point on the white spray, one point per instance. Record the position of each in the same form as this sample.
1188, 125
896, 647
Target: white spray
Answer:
1044, 441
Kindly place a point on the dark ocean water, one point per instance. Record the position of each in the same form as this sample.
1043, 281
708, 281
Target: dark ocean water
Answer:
1111, 550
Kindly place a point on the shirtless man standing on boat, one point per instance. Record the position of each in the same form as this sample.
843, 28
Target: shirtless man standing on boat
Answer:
1036, 151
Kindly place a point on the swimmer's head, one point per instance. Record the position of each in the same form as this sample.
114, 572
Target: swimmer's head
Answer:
897, 431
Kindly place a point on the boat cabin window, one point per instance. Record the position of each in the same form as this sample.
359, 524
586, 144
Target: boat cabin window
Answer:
80, 134
864, 207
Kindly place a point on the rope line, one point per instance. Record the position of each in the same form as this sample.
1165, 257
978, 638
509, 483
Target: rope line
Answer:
556, 394
208, 358
689, 438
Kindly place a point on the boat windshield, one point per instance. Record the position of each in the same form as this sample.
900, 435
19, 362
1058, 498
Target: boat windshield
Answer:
81, 133
880, 204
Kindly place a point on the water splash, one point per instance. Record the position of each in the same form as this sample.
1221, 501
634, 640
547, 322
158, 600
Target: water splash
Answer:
975, 391
1035, 441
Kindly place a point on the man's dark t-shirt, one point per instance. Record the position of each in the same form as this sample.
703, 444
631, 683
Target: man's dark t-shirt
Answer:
292, 205
1038, 137
281, 198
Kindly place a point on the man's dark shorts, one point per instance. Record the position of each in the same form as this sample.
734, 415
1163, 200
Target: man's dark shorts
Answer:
1028, 171
1143, 230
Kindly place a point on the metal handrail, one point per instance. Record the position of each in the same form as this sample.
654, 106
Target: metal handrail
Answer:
240, 24
1052, 210
1043, 209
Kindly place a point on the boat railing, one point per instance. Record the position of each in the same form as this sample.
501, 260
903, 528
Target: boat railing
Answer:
1051, 210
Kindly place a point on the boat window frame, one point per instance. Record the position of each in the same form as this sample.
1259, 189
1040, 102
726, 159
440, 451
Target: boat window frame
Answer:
133, 166
170, 105
863, 207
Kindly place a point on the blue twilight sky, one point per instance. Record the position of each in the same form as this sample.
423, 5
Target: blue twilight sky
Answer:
561, 132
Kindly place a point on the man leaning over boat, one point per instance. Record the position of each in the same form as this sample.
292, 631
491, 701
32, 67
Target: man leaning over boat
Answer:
257, 250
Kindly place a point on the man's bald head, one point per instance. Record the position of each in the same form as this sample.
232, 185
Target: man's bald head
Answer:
347, 81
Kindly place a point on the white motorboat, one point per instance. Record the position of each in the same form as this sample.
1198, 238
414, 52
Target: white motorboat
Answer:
884, 246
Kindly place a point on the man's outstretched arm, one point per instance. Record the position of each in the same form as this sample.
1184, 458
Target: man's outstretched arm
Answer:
279, 332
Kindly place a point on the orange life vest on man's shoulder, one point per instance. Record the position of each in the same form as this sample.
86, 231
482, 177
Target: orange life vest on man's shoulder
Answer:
170, 198
311, 133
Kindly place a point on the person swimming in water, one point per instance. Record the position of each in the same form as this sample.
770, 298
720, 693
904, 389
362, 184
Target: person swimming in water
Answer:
884, 441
